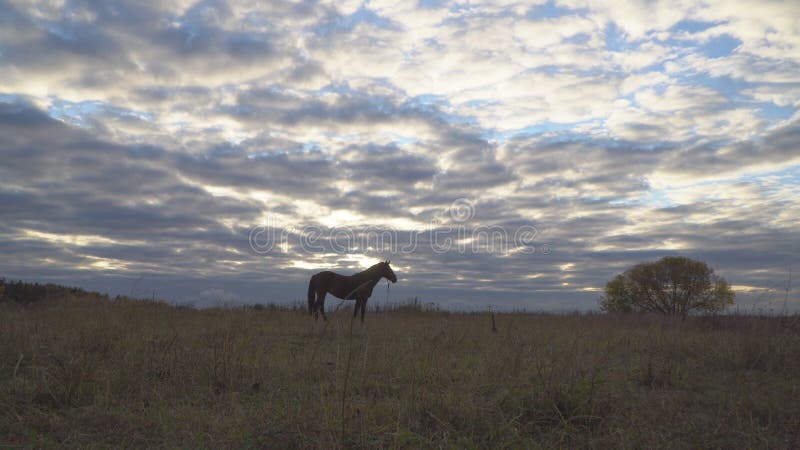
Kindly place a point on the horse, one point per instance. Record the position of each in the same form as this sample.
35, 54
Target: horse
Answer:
356, 287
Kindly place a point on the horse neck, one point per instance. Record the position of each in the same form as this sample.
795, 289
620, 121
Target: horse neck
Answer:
371, 274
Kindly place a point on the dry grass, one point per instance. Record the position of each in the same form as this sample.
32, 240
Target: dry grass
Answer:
96, 374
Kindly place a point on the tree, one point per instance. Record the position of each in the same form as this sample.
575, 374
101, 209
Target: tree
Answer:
672, 285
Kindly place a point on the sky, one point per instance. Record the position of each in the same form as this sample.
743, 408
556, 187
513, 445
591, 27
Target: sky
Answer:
510, 155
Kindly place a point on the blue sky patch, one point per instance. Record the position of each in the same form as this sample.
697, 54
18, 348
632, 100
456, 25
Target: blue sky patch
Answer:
773, 112
79, 113
693, 26
343, 24
617, 39
550, 10
720, 46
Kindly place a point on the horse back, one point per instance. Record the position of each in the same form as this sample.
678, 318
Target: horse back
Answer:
325, 276
336, 284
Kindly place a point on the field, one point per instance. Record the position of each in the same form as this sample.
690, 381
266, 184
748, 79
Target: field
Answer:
103, 373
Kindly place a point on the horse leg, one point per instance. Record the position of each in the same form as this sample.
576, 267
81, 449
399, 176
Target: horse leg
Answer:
363, 309
313, 307
355, 310
321, 304
311, 295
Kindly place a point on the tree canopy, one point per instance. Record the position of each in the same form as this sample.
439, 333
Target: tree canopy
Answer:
672, 285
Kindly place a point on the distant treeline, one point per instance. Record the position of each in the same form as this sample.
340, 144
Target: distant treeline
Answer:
24, 292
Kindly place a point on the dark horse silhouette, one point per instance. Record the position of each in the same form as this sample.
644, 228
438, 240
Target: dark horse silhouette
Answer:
356, 287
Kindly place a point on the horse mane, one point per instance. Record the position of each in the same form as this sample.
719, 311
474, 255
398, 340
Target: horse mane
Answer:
369, 271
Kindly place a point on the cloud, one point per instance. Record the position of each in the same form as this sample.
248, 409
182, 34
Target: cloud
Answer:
150, 139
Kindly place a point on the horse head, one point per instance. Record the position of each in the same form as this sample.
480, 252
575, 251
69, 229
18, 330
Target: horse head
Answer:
387, 272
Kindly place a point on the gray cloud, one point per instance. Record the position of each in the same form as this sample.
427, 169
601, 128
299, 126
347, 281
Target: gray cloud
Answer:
147, 139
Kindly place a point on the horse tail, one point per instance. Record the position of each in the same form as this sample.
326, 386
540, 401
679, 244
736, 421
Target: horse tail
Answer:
311, 295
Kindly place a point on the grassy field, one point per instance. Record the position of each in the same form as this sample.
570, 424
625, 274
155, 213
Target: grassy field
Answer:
96, 374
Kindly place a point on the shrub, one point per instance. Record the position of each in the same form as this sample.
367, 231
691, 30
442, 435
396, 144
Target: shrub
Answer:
671, 285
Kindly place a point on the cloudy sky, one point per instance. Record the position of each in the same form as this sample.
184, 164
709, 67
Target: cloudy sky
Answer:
142, 143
